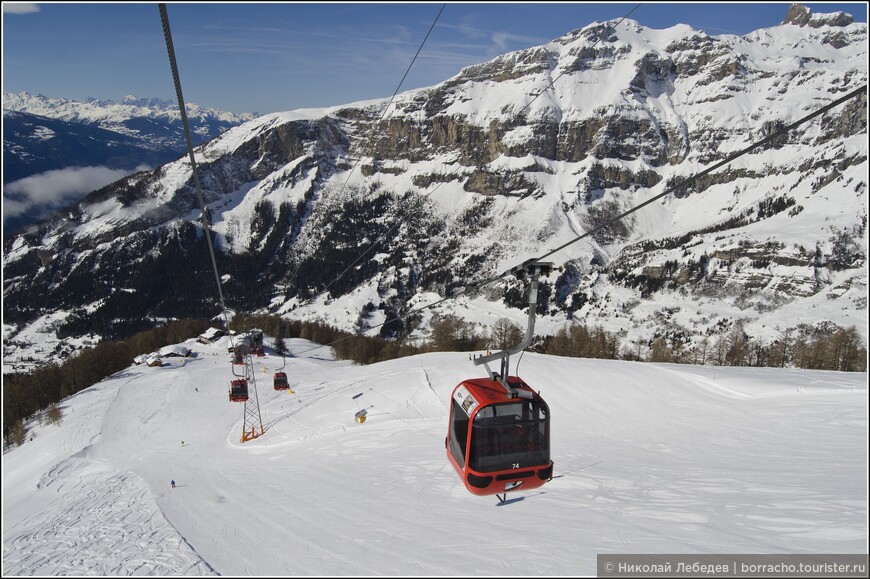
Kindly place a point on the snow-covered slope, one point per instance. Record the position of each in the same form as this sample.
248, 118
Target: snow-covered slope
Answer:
648, 459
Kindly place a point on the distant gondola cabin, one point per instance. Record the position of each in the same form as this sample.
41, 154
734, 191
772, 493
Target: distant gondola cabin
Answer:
281, 382
239, 390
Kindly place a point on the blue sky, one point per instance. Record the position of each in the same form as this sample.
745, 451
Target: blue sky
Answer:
281, 56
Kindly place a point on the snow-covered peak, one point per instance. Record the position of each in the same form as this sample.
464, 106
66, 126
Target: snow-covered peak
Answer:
154, 103
97, 111
800, 15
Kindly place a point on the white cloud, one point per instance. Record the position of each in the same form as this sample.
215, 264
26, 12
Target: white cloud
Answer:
52, 189
14, 208
20, 7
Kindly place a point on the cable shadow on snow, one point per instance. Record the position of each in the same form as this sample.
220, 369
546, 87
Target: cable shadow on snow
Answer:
518, 499
510, 501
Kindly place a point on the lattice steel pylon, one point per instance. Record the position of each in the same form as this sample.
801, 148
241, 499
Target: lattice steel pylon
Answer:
252, 425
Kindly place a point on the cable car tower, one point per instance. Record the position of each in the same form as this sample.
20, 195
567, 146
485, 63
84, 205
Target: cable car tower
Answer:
252, 424
240, 391
498, 437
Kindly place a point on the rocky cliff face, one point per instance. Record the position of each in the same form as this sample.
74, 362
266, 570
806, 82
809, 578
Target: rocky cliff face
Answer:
354, 214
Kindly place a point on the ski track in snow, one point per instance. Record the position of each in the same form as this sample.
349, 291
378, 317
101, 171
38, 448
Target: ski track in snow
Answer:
655, 458
101, 523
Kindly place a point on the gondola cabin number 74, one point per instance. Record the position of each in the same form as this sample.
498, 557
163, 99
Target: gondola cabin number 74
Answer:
498, 439
497, 444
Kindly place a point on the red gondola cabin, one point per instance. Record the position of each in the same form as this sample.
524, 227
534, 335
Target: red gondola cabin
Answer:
239, 390
281, 382
499, 443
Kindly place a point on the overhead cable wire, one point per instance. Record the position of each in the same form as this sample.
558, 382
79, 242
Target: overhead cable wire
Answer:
441, 183
371, 130
252, 414
705, 172
783, 131
167, 33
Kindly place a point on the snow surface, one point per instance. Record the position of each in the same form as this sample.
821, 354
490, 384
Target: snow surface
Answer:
649, 458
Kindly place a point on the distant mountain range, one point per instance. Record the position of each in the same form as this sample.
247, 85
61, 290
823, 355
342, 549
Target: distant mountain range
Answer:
354, 217
42, 134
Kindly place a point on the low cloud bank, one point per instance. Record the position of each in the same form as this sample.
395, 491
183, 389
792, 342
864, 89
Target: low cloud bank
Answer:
38, 195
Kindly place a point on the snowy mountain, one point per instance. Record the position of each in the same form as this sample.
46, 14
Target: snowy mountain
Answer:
649, 458
40, 148
358, 214
35, 144
154, 122
42, 134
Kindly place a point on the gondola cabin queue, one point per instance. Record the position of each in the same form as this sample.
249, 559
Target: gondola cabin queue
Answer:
495, 443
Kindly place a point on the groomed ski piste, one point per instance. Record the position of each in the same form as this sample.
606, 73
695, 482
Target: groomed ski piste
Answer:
649, 458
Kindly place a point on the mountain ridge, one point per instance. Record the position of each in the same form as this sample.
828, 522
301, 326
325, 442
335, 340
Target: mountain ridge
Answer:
502, 160
112, 115
44, 135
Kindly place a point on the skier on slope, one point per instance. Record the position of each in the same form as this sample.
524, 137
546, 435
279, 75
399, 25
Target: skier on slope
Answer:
173, 484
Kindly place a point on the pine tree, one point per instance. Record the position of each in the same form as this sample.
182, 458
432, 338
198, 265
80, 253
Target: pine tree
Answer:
280, 346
